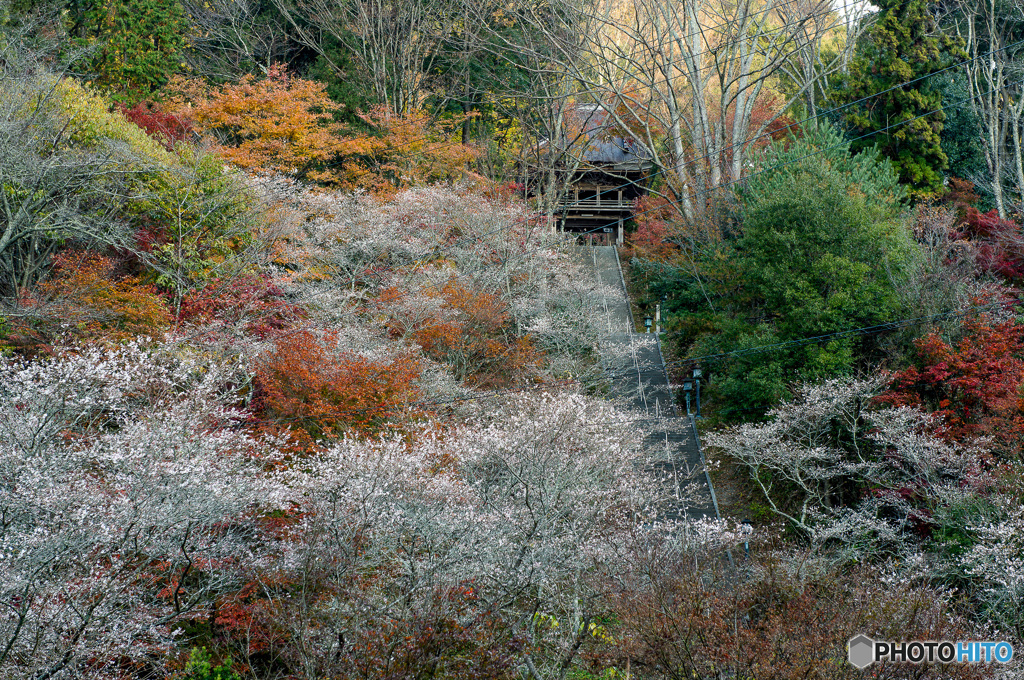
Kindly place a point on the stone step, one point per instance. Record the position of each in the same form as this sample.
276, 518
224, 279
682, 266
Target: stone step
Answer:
633, 362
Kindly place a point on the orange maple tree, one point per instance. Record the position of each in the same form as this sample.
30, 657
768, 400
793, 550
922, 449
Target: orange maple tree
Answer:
306, 383
405, 150
471, 331
84, 295
279, 123
286, 124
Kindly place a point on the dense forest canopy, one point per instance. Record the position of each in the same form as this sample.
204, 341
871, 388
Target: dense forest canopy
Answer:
301, 379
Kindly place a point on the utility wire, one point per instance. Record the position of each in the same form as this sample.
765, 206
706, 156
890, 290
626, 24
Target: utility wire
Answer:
767, 348
451, 143
702, 359
716, 64
746, 142
818, 152
692, 163
852, 332
866, 330
780, 28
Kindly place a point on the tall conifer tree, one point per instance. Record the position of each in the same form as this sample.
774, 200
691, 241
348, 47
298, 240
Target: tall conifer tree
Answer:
903, 45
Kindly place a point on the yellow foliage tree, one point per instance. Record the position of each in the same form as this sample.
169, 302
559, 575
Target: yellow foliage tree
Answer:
91, 122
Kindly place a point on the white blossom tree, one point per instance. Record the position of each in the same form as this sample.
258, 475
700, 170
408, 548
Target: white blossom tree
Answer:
850, 477
996, 560
386, 266
125, 505
513, 516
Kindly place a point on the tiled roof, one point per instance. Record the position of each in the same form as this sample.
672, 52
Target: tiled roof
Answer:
603, 147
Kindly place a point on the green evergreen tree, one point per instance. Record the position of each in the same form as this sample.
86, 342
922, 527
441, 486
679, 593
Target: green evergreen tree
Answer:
137, 43
823, 247
902, 45
345, 84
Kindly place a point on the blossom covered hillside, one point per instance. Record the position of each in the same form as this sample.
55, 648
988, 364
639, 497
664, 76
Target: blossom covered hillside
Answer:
140, 515
305, 376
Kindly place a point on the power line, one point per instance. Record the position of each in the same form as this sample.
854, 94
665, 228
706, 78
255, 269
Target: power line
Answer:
721, 356
776, 8
828, 112
744, 143
818, 152
865, 330
695, 55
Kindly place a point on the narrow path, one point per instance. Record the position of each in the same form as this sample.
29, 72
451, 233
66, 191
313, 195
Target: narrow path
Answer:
638, 378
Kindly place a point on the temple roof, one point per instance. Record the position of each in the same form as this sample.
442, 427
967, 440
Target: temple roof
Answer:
602, 146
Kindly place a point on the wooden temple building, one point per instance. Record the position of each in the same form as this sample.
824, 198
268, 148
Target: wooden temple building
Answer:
607, 174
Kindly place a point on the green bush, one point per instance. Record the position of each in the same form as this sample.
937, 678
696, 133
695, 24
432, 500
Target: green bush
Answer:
822, 248
94, 124
75, 173
195, 223
200, 667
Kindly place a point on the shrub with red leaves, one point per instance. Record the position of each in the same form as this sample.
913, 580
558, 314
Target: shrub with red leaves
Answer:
960, 194
252, 301
167, 128
305, 381
1000, 247
653, 219
974, 384
504, 192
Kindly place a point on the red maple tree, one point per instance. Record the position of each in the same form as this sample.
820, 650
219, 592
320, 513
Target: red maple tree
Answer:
974, 384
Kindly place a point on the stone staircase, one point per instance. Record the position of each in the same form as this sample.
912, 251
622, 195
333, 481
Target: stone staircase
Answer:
635, 368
